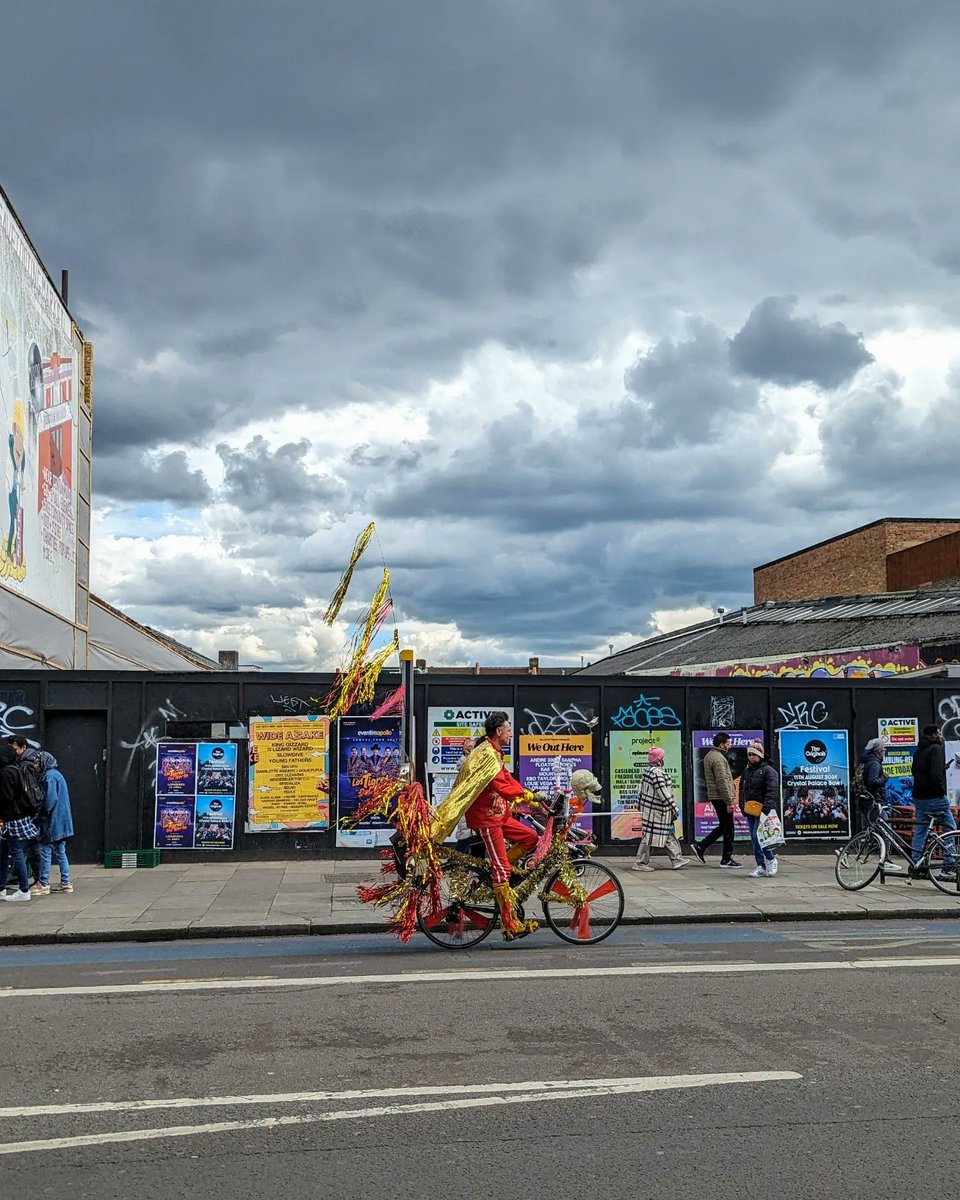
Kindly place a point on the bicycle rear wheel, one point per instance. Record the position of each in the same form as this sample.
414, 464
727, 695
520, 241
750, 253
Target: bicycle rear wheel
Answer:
594, 919
462, 919
943, 859
858, 863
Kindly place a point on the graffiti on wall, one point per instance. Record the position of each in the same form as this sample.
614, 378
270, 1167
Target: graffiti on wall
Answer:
799, 714
289, 704
646, 712
16, 716
859, 664
723, 712
150, 734
571, 719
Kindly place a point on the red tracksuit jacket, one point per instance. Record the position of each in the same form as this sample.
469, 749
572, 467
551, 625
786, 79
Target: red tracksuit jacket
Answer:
494, 804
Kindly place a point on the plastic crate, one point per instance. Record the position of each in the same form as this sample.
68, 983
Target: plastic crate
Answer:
131, 858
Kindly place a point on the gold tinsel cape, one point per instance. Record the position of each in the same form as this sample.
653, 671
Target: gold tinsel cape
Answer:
477, 770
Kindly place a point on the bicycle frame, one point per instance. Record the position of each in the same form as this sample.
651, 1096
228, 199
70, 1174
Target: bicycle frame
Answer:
878, 823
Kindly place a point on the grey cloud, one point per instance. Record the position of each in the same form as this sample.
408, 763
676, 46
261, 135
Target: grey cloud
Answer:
789, 350
138, 477
275, 488
200, 587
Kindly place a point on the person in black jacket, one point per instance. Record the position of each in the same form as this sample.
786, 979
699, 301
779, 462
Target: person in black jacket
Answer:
759, 782
930, 794
19, 826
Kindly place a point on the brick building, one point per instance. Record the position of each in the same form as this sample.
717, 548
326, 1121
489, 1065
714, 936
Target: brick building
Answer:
892, 554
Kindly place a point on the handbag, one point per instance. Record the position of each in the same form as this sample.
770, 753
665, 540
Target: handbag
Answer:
752, 808
770, 831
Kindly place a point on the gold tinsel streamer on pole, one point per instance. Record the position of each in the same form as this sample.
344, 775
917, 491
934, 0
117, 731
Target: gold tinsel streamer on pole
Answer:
336, 602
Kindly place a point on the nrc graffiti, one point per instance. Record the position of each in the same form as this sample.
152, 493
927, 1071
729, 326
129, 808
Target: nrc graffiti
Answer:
798, 714
150, 734
646, 712
16, 716
571, 719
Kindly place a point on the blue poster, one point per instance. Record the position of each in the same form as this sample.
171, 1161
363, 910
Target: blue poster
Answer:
815, 780
196, 795
368, 751
216, 795
176, 769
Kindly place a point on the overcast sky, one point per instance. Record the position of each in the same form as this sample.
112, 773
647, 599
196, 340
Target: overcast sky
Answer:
591, 306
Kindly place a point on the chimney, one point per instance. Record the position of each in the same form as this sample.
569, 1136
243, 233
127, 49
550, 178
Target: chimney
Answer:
421, 664
534, 665
476, 668
229, 660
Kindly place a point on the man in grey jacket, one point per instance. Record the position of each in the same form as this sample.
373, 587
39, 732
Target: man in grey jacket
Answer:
719, 778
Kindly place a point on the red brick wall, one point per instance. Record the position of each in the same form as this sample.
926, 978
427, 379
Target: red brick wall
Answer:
847, 566
937, 561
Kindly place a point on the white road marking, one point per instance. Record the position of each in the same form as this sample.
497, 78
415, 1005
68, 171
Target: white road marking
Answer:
470, 975
539, 1085
502, 1095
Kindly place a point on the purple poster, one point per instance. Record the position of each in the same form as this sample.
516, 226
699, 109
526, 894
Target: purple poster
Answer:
177, 769
704, 814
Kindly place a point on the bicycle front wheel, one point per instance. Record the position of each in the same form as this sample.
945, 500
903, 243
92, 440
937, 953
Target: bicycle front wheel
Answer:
943, 860
591, 912
858, 863
467, 912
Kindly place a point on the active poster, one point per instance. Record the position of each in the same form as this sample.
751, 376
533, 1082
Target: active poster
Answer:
369, 751
815, 775
196, 795
628, 757
704, 814
547, 762
451, 734
289, 774
900, 736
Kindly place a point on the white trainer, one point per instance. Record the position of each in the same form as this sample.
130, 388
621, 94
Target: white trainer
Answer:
15, 896
772, 867
758, 872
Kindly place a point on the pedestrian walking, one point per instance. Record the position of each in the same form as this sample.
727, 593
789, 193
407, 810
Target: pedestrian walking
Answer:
759, 794
720, 793
930, 795
19, 826
658, 812
56, 826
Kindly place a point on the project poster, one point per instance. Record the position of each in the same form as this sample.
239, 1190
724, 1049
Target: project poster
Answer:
815, 777
704, 814
451, 733
289, 774
547, 762
196, 788
628, 757
368, 751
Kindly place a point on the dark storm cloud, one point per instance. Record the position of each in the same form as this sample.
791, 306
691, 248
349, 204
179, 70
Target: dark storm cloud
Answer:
204, 587
139, 478
275, 487
777, 346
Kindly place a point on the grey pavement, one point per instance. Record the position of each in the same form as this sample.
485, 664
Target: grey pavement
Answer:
199, 900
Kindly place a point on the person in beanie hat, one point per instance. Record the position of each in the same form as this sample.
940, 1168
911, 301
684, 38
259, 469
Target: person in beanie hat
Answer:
658, 812
759, 782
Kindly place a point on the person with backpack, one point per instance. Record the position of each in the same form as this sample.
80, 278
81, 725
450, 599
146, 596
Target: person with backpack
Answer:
56, 826
930, 795
19, 804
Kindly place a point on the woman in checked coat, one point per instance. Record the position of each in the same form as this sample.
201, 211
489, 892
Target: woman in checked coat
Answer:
658, 811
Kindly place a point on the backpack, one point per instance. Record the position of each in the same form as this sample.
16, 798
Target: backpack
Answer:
30, 796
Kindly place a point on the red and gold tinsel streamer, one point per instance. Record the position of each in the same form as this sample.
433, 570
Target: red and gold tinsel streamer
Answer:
392, 704
336, 601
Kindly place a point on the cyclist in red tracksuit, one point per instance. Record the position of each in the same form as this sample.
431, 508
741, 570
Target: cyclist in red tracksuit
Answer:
490, 816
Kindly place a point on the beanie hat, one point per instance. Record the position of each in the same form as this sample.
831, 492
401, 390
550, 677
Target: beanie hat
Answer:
873, 744
655, 756
756, 747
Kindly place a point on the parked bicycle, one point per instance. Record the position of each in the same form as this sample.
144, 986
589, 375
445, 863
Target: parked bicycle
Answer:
582, 901
868, 854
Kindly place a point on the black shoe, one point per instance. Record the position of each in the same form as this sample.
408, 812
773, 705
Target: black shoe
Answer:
948, 876
731, 864
697, 851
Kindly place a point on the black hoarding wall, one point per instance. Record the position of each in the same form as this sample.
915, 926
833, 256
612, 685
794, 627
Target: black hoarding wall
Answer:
105, 727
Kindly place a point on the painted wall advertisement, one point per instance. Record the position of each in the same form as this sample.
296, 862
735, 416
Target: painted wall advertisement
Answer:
900, 736
547, 762
196, 795
704, 814
451, 733
289, 774
815, 781
368, 751
38, 429
628, 757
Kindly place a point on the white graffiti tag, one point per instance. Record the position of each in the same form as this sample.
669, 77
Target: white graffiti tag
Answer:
798, 714
568, 720
150, 734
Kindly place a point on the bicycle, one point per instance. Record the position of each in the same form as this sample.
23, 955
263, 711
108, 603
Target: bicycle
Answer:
866, 855
582, 901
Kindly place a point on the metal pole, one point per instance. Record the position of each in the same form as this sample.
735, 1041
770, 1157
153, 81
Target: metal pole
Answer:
407, 732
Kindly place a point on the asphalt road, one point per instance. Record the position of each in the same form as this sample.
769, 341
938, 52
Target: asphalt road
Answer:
804, 1060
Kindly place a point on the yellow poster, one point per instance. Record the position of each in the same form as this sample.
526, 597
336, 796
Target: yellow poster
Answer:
289, 774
